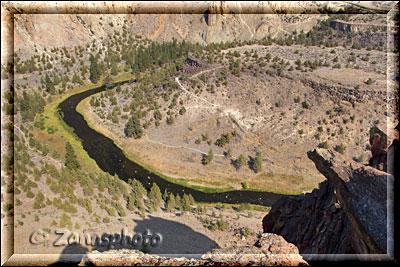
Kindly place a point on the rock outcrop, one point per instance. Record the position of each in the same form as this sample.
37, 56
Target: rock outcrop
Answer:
315, 223
380, 139
270, 250
346, 215
345, 26
351, 95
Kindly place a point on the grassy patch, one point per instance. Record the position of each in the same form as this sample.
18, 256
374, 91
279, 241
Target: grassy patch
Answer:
278, 183
236, 207
180, 181
56, 132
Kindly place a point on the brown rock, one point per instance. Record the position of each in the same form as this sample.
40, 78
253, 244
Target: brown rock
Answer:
270, 250
380, 140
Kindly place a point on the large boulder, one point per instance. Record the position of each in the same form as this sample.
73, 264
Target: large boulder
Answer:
269, 250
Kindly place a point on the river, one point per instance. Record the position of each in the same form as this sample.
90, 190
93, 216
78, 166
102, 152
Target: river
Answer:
110, 158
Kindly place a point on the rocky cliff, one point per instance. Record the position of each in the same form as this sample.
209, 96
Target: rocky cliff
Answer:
38, 31
348, 214
46, 25
269, 250
356, 27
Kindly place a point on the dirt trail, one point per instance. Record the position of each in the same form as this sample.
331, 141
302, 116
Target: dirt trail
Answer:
186, 147
231, 114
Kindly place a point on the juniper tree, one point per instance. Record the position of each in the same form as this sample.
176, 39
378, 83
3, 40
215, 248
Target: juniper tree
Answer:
208, 158
240, 161
257, 164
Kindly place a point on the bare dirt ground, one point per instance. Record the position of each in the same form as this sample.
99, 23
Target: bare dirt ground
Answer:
182, 232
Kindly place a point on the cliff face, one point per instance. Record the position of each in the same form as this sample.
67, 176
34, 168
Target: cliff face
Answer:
356, 27
40, 26
38, 31
346, 215
316, 223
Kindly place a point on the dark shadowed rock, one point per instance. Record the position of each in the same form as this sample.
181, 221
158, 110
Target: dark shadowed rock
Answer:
347, 214
315, 222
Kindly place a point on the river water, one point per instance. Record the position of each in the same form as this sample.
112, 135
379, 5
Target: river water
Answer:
110, 158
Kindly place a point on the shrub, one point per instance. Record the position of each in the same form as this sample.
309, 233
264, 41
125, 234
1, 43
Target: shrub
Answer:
323, 145
305, 104
208, 158
340, 148
244, 185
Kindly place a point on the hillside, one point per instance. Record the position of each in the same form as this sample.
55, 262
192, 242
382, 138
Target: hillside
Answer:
215, 101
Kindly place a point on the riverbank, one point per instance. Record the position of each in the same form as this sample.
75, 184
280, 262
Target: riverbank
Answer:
55, 132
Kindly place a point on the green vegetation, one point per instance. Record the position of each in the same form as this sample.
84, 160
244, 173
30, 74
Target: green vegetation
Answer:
224, 139
257, 165
133, 128
70, 158
323, 145
240, 161
340, 148
155, 197
208, 158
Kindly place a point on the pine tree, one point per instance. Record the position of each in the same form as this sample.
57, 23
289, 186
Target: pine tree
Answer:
133, 128
155, 196
130, 204
137, 188
186, 203
49, 85
70, 158
95, 71
108, 82
171, 204
191, 199
165, 195
178, 202
38, 203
